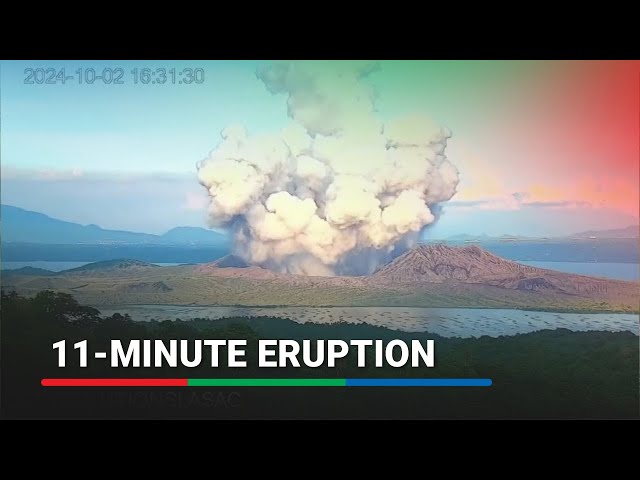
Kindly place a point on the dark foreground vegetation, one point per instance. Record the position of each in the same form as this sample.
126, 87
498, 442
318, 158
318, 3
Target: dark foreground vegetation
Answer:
546, 374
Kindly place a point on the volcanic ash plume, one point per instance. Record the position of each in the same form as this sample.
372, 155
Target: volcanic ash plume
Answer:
336, 192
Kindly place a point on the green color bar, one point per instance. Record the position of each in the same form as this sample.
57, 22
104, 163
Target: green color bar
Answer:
266, 382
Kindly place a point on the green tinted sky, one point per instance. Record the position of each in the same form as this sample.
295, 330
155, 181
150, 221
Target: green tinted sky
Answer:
65, 148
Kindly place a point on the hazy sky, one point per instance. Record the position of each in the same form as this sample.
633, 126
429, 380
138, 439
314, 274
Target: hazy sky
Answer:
543, 148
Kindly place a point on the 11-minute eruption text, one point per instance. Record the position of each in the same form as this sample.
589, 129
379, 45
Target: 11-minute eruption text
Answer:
271, 353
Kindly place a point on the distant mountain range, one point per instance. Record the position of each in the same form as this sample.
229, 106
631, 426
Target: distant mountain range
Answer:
20, 226
24, 226
632, 231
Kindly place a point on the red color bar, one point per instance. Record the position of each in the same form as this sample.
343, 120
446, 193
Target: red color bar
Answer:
114, 382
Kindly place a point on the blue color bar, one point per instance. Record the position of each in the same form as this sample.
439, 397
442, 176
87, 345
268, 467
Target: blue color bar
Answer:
419, 382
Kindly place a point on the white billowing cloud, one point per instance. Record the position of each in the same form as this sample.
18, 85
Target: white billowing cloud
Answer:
195, 202
293, 212
311, 174
408, 212
325, 98
351, 201
413, 131
335, 183
297, 139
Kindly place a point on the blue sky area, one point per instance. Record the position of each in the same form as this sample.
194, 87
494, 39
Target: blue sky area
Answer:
124, 156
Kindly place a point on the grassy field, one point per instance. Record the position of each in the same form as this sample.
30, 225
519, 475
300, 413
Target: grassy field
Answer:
183, 285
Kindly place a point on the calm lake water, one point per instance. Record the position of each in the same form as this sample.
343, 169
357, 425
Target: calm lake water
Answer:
448, 322
618, 271
57, 266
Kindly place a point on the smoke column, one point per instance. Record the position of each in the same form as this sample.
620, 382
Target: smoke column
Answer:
337, 191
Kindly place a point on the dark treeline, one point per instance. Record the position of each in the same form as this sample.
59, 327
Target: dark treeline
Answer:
546, 374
